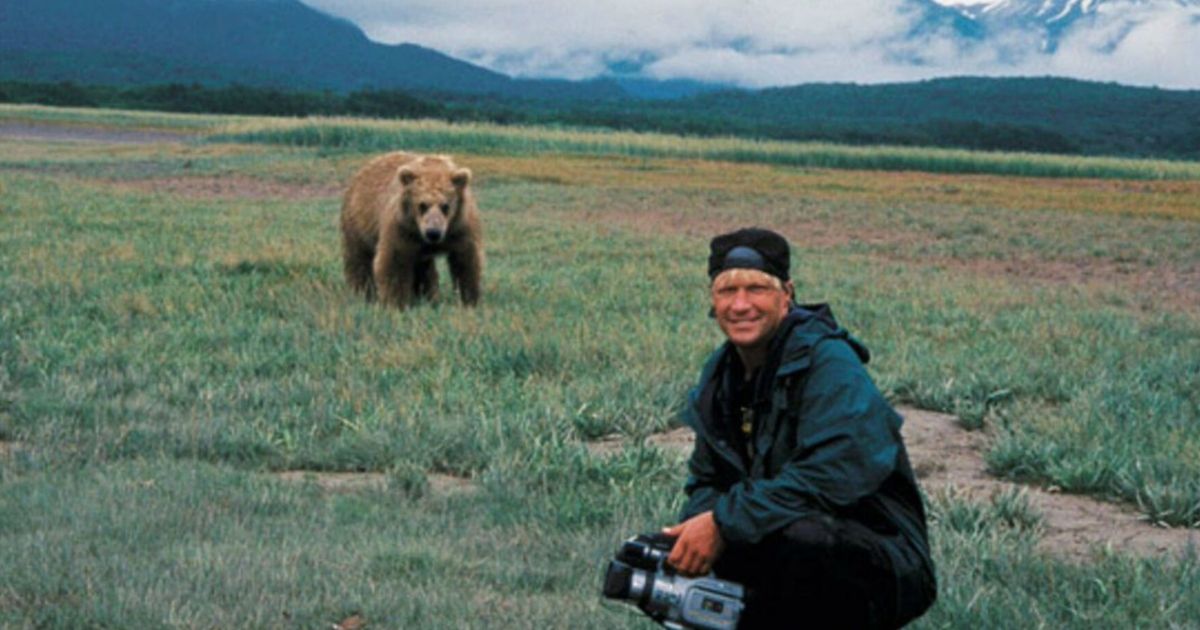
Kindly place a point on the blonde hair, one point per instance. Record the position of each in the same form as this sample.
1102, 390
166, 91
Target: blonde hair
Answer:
739, 274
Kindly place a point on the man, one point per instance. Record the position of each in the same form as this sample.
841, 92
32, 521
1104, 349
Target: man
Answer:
799, 487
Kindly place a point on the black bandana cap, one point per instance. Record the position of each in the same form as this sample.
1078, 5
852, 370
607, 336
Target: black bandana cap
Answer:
749, 248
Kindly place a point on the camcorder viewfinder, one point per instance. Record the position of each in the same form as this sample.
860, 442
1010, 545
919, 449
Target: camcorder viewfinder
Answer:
640, 575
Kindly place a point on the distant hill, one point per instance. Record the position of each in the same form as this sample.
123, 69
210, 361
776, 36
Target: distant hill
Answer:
1036, 115
267, 43
1040, 114
1048, 115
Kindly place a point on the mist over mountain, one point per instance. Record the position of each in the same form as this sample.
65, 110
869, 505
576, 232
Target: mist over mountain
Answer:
774, 43
275, 43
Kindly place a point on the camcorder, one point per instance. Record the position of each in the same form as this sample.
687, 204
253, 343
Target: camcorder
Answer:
640, 575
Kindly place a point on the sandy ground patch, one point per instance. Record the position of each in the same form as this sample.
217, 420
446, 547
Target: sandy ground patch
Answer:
337, 481
439, 484
231, 187
74, 133
1176, 286
945, 456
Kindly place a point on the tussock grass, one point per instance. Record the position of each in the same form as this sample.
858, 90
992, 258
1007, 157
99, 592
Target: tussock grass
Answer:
117, 118
159, 352
428, 135
993, 577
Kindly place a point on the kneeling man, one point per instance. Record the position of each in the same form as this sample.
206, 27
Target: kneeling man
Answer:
799, 487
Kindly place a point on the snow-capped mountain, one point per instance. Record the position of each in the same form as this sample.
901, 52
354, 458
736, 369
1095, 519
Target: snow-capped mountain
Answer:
1106, 21
1045, 11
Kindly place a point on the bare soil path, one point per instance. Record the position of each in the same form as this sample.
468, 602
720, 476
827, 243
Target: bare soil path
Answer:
945, 456
353, 481
232, 187
75, 133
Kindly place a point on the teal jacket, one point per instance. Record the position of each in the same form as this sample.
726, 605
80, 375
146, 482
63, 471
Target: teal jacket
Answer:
825, 441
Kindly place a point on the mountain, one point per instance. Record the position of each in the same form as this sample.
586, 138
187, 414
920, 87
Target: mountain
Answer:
1035, 114
1045, 11
1054, 19
270, 43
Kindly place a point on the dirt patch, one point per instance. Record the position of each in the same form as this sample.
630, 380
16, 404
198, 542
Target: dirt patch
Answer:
1177, 287
816, 234
945, 456
72, 133
337, 481
8, 448
231, 187
439, 484
679, 439
1160, 285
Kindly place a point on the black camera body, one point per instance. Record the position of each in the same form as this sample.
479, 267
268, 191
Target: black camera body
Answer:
640, 575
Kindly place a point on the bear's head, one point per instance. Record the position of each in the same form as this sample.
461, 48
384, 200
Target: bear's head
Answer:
433, 194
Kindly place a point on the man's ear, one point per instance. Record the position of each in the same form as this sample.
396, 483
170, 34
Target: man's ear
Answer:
790, 288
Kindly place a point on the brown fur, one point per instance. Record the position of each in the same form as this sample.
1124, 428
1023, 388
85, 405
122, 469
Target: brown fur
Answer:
389, 243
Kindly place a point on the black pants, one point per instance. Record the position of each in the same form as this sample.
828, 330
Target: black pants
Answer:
818, 572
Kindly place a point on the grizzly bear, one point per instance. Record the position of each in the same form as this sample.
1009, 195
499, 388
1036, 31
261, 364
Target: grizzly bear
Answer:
400, 211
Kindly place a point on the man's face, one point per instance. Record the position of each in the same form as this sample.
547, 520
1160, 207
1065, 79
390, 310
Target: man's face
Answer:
749, 305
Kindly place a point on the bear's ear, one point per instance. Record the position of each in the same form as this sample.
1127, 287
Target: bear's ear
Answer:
461, 177
407, 175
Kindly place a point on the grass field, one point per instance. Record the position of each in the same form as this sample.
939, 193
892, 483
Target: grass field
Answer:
174, 329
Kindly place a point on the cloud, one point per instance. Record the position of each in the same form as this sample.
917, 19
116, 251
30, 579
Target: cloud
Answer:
759, 43
1149, 47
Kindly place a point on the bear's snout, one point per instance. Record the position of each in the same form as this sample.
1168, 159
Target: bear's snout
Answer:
434, 235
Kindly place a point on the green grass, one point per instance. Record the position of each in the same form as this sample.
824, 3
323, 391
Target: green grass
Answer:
161, 354
357, 135
109, 118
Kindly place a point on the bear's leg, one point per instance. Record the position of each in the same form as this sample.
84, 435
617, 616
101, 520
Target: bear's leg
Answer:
427, 279
358, 267
466, 267
393, 282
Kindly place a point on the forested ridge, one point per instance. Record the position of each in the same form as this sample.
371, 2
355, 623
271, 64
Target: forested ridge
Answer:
1046, 115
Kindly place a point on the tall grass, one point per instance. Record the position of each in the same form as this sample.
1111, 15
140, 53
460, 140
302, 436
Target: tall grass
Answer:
161, 355
115, 118
170, 543
482, 138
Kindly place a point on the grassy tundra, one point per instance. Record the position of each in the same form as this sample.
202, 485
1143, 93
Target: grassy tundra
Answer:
174, 330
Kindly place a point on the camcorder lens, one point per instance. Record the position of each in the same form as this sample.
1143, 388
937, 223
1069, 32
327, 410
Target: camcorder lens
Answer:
645, 552
617, 579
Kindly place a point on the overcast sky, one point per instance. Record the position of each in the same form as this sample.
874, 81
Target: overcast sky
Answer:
761, 43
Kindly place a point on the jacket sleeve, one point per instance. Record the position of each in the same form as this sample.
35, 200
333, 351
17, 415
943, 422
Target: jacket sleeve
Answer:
847, 445
701, 487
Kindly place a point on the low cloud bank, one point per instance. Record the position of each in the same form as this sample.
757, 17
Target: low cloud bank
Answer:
762, 43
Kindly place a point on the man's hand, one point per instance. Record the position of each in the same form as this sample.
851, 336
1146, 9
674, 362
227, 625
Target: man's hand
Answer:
697, 546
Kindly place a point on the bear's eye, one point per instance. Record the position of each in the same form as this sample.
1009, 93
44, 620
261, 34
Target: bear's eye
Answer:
445, 208
423, 207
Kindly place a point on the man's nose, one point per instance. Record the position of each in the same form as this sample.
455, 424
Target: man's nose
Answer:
741, 300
